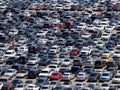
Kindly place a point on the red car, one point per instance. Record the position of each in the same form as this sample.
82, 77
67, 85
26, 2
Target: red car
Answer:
74, 52
56, 76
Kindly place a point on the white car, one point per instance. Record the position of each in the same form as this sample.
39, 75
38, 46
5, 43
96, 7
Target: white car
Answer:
33, 60
45, 72
56, 61
59, 7
11, 72
53, 67
46, 87
1, 85
105, 85
105, 35
86, 35
100, 27
66, 7
23, 49
67, 76
53, 83
67, 62
4, 46
82, 76
32, 87
13, 32
22, 74
86, 50
9, 53
55, 49
79, 84
116, 78
81, 26
116, 53
106, 76
100, 43
20, 87
90, 27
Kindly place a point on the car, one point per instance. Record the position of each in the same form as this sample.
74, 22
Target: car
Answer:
86, 50
75, 69
92, 85
17, 67
55, 76
23, 59
110, 64
89, 63
79, 84
12, 60
22, 74
113, 70
32, 74
41, 81
9, 53
66, 62
82, 76
46, 87
33, 61
106, 57
1, 85
93, 77
116, 79
32, 86
106, 76
11, 72
58, 87
99, 64
53, 67
67, 84
74, 51
21, 86
2, 70
54, 83
16, 82
7, 86
44, 61
67, 76
63, 70
88, 70
105, 85
45, 72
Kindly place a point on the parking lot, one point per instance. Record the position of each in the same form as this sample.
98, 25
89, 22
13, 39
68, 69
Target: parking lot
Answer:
59, 44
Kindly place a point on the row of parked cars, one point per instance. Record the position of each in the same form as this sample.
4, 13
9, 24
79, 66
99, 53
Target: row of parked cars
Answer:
59, 45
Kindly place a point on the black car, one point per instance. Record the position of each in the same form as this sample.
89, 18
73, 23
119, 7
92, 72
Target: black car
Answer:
16, 81
77, 62
75, 69
99, 64
23, 59
32, 74
33, 49
12, 60
110, 64
18, 67
2, 71
63, 70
